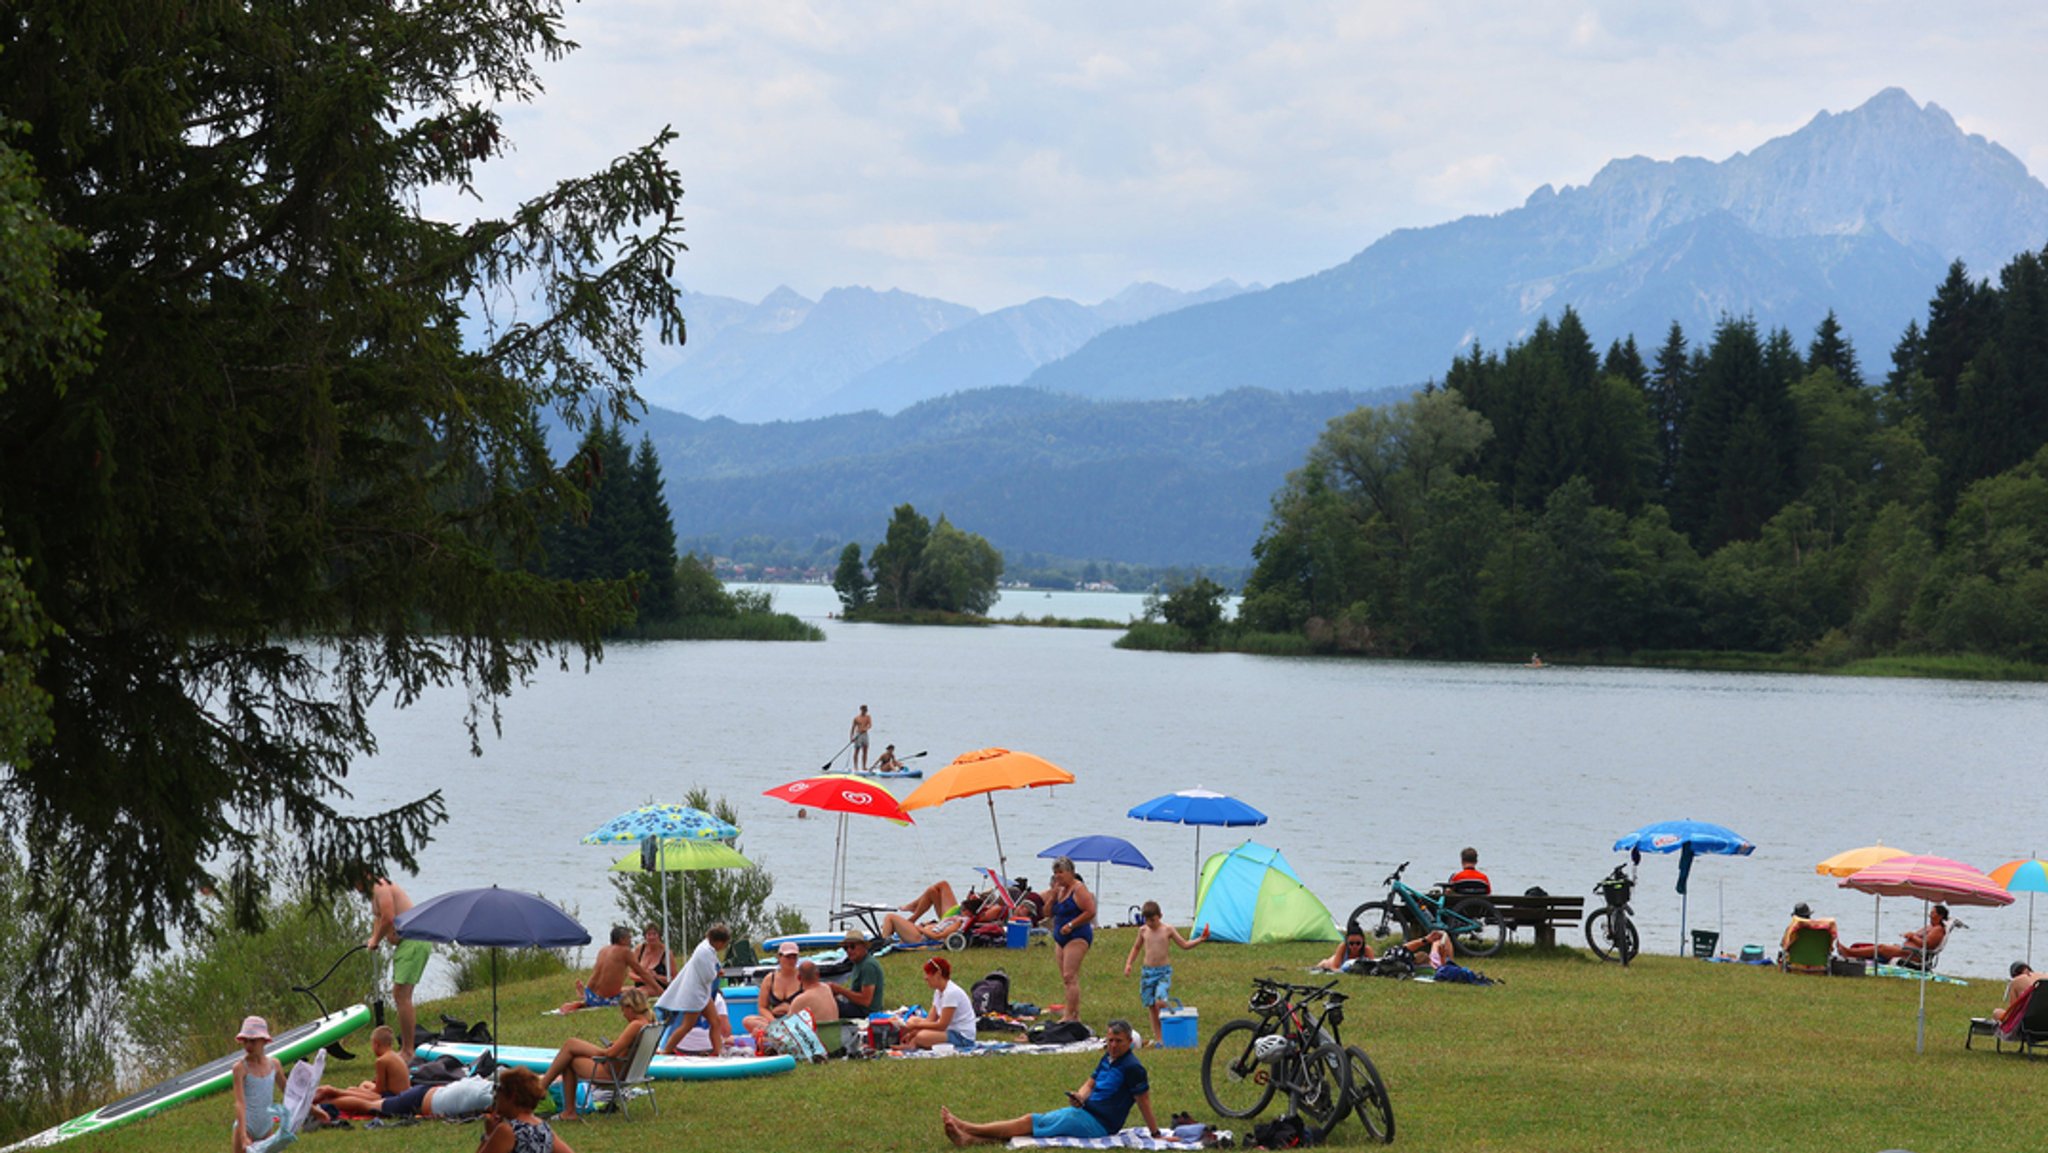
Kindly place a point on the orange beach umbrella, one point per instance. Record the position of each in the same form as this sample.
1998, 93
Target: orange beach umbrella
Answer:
985, 772
1853, 861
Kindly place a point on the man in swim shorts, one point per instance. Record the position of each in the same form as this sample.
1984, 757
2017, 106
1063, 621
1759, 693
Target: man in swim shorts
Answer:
862, 722
608, 975
408, 958
1097, 1109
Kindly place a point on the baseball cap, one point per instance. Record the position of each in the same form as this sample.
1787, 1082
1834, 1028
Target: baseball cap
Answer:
254, 1028
789, 949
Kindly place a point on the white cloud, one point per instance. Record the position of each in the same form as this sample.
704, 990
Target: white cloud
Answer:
991, 153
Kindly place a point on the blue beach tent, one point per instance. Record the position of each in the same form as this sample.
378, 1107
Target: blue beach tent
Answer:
1251, 895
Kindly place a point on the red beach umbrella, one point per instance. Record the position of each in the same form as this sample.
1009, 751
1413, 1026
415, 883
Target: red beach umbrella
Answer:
842, 794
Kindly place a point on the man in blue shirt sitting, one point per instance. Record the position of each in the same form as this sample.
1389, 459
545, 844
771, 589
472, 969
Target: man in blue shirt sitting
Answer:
1098, 1107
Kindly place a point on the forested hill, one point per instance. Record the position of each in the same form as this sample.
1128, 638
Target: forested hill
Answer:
1157, 482
1856, 213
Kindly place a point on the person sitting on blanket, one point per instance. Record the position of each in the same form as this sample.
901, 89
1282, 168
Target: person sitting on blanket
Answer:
608, 975
952, 1021
1354, 947
1919, 943
388, 1078
862, 992
653, 953
1097, 1109
578, 1058
2023, 979
811, 993
510, 1126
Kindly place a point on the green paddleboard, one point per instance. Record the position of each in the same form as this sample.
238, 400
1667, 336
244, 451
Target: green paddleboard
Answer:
193, 1084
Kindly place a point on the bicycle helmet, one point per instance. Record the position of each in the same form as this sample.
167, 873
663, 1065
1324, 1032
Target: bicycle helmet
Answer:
1270, 1048
1265, 997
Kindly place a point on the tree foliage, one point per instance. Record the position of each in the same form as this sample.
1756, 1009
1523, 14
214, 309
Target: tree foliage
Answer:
922, 566
1740, 495
625, 532
256, 478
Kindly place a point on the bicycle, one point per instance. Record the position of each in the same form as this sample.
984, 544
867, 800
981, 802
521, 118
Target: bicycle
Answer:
1609, 932
1294, 1047
1475, 926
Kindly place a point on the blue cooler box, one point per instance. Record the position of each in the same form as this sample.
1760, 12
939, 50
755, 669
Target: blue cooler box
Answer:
1017, 934
1177, 1028
739, 1005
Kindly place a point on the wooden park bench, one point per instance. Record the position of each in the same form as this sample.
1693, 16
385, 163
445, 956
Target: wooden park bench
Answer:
1543, 914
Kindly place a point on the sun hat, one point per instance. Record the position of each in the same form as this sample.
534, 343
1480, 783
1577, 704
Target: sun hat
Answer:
1802, 910
254, 1029
854, 937
789, 949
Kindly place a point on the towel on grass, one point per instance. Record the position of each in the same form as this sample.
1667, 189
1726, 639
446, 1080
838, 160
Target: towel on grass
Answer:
990, 1047
1132, 1138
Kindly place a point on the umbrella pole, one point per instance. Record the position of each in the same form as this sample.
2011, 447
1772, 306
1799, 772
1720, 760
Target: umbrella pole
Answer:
2030, 930
661, 875
1876, 927
1920, 1030
1683, 898
1001, 863
1197, 898
494, 1005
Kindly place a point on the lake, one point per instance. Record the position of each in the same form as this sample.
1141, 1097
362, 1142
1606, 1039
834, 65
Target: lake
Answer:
1361, 765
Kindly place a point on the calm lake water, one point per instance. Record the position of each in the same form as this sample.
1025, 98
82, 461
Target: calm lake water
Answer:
1360, 765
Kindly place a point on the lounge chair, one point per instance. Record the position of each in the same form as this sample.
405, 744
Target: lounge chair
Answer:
620, 1076
1809, 950
2028, 1029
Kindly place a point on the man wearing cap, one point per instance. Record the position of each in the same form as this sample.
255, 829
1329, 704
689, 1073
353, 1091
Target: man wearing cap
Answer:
861, 995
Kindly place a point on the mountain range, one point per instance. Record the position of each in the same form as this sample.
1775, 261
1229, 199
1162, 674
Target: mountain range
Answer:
1218, 394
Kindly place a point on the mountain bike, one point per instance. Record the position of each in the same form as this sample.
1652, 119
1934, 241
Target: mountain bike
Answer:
1475, 927
1609, 932
1295, 1045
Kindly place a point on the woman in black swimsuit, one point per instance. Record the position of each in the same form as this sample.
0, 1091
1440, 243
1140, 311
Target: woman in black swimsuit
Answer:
653, 955
778, 989
1073, 930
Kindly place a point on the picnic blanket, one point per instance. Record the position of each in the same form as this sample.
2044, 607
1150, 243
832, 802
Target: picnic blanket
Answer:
1917, 975
993, 1047
1132, 1138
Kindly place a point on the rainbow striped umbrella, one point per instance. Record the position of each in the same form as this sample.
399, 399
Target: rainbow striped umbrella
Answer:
2027, 876
1852, 861
1929, 879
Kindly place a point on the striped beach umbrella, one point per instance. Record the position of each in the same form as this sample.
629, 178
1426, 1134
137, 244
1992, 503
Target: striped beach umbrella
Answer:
2027, 876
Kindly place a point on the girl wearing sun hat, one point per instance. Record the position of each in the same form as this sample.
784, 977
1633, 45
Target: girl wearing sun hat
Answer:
255, 1079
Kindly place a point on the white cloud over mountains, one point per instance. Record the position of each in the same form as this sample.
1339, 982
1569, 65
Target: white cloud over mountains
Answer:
992, 152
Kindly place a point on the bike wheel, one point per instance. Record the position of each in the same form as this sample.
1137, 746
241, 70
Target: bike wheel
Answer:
1492, 932
1232, 1079
1601, 935
1321, 1094
1381, 923
1369, 1098
1626, 938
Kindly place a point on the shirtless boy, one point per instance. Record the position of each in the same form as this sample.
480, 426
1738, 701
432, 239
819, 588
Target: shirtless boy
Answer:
1155, 983
388, 1078
608, 975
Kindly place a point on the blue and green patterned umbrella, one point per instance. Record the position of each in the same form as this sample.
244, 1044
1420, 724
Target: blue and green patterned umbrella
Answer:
661, 822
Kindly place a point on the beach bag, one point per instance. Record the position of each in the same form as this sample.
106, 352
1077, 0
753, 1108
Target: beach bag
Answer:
1060, 1033
442, 1070
883, 1033
991, 994
1397, 964
1287, 1132
796, 1036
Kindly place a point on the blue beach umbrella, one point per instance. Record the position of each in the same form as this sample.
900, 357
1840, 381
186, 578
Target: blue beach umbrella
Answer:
1198, 807
1098, 848
494, 917
1688, 839
661, 823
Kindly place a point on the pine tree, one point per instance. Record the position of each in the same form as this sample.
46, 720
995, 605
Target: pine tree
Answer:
1831, 350
1671, 389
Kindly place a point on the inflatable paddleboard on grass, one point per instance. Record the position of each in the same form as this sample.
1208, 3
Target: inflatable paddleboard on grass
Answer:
803, 941
661, 1068
209, 1078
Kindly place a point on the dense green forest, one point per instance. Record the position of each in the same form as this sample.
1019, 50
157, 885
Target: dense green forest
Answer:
1741, 493
919, 568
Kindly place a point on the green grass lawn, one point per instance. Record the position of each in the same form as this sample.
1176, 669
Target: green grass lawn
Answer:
1569, 1054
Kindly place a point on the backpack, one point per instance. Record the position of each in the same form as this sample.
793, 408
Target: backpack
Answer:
1396, 964
991, 994
1059, 1033
1285, 1132
1460, 975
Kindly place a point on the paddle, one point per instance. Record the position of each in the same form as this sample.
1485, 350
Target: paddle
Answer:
835, 756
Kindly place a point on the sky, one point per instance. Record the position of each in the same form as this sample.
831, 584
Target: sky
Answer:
988, 153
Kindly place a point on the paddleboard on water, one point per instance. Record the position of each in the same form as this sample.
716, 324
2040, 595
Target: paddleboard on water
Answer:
661, 1068
803, 941
905, 775
211, 1077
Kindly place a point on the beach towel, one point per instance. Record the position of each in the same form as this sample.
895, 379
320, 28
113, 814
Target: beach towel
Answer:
987, 1048
2009, 1028
298, 1101
1132, 1138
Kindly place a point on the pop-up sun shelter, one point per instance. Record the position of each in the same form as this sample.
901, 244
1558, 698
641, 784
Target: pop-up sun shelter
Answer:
1251, 895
